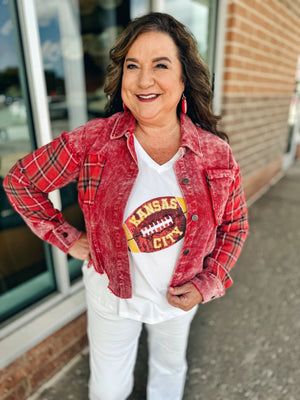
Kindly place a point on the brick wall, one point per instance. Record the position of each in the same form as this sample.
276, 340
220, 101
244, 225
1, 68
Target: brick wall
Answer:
262, 44
25, 375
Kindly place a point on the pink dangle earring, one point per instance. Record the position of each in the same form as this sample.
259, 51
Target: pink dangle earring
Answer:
184, 104
125, 107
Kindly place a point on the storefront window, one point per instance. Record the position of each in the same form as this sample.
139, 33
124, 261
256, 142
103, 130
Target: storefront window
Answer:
139, 8
25, 274
199, 17
76, 37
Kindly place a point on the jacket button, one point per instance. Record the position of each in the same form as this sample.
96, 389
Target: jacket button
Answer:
64, 234
185, 181
195, 217
186, 251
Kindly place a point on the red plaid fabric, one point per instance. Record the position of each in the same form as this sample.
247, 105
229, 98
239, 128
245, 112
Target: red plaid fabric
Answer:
47, 169
231, 235
90, 176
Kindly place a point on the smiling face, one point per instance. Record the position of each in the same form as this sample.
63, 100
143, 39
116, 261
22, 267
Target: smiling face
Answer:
152, 82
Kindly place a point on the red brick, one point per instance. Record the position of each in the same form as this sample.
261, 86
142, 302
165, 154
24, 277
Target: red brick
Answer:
40, 363
46, 371
20, 392
261, 178
12, 375
232, 21
55, 344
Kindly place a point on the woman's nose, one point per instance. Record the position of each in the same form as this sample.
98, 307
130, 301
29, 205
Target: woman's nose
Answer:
145, 78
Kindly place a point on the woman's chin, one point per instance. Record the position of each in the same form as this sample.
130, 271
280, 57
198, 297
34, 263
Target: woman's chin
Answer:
146, 115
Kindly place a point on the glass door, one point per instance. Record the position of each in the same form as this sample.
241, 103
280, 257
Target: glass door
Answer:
25, 264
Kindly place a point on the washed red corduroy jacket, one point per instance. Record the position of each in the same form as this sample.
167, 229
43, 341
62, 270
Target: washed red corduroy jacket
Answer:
101, 157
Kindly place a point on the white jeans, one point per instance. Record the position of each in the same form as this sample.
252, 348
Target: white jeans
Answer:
113, 348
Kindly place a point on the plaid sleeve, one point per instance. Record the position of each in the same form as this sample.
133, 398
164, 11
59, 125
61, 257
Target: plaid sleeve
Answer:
231, 234
31, 179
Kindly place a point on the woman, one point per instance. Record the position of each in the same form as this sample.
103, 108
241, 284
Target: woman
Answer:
163, 205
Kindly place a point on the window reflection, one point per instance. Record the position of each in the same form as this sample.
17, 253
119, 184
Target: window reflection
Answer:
76, 37
14, 135
195, 15
61, 47
100, 24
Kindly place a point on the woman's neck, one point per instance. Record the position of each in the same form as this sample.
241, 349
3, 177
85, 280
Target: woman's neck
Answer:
169, 133
161, 143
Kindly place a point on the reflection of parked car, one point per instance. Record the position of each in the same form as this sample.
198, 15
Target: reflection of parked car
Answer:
3, 134
2, 100
17, 108
58, 107
13, 125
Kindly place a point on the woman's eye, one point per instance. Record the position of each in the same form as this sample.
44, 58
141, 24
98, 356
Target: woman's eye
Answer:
162, 66
131, 66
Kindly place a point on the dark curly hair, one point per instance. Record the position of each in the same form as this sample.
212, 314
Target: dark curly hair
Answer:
195, 71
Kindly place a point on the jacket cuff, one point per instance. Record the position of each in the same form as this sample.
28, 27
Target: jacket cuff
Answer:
209, 286
64, 236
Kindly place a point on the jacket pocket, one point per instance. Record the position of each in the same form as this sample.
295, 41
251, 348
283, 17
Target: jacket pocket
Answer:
219, 182
90, 177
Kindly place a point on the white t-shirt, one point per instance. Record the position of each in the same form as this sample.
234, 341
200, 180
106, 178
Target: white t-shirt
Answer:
154, 224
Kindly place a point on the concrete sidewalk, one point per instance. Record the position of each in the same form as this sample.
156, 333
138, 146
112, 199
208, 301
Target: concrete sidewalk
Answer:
245, 345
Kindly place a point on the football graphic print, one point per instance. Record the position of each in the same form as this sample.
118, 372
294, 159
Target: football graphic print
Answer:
156, 224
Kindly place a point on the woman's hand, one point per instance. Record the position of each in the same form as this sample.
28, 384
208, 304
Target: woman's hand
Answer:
81, 248
184, 297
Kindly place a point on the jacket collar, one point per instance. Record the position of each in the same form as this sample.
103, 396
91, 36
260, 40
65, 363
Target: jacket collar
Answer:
190, 133
125, 123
